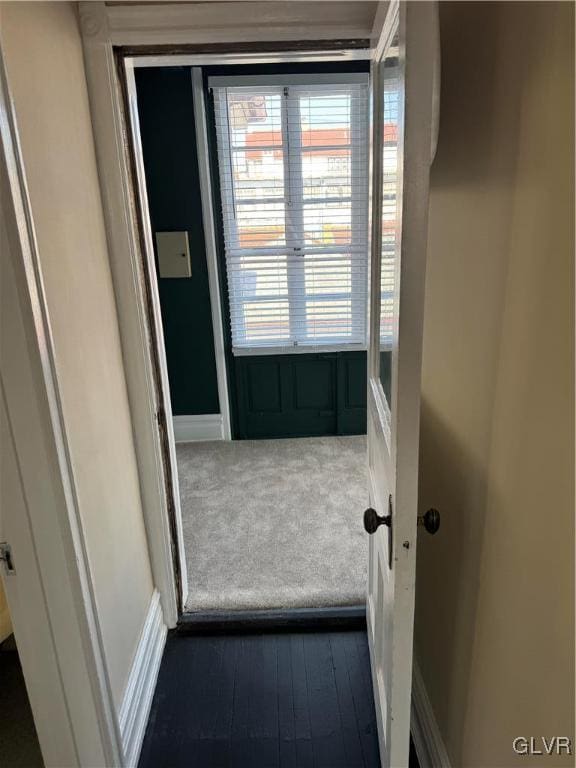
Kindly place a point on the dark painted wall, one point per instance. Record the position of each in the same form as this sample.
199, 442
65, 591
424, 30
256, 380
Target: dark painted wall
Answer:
301, 395
166, 111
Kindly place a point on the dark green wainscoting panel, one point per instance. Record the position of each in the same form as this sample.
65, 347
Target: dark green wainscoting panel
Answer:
301, 395
166, 110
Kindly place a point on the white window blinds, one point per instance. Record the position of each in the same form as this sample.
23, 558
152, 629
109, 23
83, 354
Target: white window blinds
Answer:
293, 163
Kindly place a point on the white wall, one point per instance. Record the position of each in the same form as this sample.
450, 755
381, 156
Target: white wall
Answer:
495, 589
43, 54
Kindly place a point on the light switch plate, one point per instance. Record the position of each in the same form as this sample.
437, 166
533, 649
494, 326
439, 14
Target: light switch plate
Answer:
173, 254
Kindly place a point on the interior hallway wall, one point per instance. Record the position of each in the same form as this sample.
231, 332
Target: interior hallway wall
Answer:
43, 53
495, 589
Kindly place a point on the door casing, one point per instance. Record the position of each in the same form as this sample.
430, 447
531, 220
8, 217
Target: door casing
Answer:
50, 594
114, 43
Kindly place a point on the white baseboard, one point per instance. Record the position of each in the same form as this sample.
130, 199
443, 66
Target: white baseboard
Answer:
426, 735
135, 708
207, 426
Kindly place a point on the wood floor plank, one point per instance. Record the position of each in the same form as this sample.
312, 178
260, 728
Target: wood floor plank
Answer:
165, 741
351, 736
326, 726
286, 727
226, 686
302, 730
264, 705
239, 740
214, 747
264, 730
208, 688
361, 686
286, 700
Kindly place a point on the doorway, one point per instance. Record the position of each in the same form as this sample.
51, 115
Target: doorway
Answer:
257, 187
401, 151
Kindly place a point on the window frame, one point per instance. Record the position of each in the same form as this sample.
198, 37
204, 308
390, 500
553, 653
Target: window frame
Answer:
293, 186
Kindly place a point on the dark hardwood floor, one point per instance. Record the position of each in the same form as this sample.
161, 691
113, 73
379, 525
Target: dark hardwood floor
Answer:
263, 700
266, 699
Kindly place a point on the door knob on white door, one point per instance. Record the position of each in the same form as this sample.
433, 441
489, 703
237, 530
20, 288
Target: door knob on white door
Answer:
372, 520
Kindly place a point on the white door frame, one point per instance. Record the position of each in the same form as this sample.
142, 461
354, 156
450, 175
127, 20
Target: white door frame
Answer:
222, 419
58, 632
140, 30
211, 250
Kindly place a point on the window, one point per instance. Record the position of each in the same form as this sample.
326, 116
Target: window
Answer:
293, 162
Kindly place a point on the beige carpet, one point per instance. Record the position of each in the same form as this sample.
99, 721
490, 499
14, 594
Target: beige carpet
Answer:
274, 523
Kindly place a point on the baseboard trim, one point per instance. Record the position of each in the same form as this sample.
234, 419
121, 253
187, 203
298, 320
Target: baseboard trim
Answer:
428, 742
135, 708
206, 426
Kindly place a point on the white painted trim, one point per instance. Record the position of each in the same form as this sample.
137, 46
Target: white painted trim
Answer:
379, 21
279, 57
299, 349
436, 81
206, 426
155, 320
58, 539
232, 22
426, 735
149, 402
135, 707
211, 250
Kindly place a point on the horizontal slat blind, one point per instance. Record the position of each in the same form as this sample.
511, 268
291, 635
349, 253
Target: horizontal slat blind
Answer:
293, 163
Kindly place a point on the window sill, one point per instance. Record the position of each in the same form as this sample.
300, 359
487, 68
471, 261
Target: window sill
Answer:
301, 349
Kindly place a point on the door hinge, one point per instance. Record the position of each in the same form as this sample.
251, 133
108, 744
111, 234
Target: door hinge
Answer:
6, 556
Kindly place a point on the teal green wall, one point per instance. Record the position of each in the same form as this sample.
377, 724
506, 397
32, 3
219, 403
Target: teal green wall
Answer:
166, 111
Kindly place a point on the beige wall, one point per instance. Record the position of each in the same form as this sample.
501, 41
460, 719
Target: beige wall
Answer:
494, 604
43, 53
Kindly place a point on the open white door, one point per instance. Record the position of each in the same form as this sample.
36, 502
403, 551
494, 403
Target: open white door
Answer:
157, 340
402, 87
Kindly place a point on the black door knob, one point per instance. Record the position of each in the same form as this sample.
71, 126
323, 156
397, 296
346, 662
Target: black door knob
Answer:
430, 520
372, 520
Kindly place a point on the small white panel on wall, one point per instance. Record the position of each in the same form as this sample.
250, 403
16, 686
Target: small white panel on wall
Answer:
173, 254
